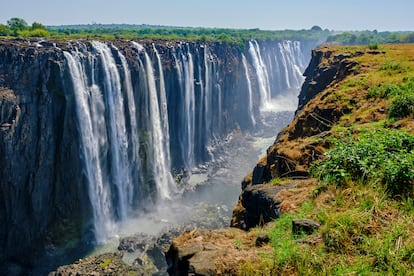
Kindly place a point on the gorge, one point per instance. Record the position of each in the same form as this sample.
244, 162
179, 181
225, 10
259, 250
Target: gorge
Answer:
92, 131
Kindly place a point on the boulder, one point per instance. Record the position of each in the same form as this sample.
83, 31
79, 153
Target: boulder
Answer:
305, 226
257, 205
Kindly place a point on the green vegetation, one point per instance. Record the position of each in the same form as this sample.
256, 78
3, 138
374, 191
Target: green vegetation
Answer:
182, 33
370, 38
106, 263
402, 106
18, 27
376, 157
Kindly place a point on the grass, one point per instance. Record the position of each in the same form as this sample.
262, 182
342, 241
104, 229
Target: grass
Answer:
362, 233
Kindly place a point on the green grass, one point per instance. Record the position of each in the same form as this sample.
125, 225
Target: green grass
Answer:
377, 157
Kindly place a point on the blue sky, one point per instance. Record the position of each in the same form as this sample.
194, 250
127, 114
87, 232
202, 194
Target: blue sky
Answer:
264, 14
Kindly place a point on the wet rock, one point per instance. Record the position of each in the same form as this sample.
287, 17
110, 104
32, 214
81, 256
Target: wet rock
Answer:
137, 242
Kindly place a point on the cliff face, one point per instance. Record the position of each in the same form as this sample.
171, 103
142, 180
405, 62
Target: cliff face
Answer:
39, 172
90, 131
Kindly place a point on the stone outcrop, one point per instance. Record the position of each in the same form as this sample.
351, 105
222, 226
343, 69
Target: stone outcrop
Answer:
209, 252
105, 264
257, 205
324, 69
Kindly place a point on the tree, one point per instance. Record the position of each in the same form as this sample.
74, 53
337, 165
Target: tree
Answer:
5, 30
316, 28
17, 24
38, 26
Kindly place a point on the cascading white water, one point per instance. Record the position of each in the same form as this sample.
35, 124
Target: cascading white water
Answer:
292, 63
185, 72
120, 174
164, 112
133, 126
161, 166
208, 91
261, 73
249, 90
92, 131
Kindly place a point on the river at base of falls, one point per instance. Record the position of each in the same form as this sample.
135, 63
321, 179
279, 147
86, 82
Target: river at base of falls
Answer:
210, 194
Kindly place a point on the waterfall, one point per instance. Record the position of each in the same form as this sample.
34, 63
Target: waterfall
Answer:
249, 89
160, 145
135, 122
292, 63
185, 72
208, 90
134, 160
161, 167
91, 132
261, 73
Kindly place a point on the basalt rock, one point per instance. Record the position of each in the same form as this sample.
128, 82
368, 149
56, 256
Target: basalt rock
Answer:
323, 70
257, 205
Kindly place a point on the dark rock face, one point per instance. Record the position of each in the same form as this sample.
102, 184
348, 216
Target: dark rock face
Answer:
320, 75
257, 205
39, 168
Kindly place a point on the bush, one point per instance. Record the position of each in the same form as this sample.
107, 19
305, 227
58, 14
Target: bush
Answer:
384, 91
380, 157
373, 46
402, 106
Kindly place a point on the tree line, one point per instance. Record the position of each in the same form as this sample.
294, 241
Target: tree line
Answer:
17, 27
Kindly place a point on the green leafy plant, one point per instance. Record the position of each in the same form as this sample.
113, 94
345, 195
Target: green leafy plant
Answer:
379, 157
402, 106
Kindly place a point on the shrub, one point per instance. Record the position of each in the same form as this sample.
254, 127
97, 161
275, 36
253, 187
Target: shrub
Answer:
402, 106
373, 46
384, 91
379, 157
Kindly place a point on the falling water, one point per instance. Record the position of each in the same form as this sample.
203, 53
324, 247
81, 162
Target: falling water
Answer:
91, 145
185, 72
292, 63
133, 126
120, 175
249, 89
261, 73
161, 166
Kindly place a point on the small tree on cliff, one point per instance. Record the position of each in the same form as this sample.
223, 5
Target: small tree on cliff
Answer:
17, 25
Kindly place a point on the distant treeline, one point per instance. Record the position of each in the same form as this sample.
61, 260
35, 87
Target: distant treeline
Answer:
17, 27
370, 37
184, 33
